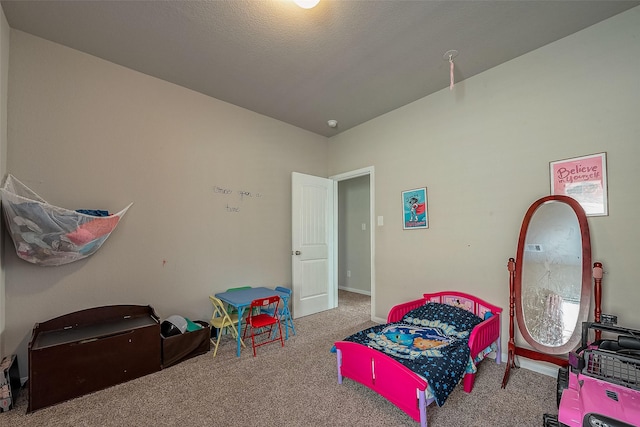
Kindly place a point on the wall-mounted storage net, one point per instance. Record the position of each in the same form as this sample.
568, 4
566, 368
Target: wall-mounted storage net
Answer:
48, 235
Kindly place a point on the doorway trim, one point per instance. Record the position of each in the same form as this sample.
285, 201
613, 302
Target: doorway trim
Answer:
369, 170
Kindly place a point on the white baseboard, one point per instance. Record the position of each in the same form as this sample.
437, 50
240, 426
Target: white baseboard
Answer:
532, 365
354, 290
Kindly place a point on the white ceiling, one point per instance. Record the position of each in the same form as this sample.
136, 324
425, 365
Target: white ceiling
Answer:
346, 60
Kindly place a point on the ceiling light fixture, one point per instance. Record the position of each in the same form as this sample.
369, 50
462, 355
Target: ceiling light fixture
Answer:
332, 123
448, 56
307, 4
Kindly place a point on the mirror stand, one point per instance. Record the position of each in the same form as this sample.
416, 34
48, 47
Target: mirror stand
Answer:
514, 350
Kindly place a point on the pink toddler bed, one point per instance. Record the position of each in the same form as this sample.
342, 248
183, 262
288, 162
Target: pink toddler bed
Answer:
422, 339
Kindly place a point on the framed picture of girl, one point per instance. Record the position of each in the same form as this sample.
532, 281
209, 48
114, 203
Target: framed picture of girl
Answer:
414, 209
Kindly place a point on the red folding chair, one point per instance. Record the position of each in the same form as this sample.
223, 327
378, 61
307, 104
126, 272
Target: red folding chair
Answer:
262, 324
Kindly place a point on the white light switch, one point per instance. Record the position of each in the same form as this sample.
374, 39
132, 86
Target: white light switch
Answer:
364, 226
380, 221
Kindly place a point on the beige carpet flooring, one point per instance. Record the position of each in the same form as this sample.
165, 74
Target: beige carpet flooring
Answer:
291, 386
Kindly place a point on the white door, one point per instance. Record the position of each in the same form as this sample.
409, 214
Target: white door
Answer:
312, 244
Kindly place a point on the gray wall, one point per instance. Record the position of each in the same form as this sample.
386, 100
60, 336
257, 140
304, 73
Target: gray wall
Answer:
86, 133
483, 150
354, 243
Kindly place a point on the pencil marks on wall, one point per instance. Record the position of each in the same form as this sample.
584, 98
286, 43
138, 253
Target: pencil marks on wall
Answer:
235, 199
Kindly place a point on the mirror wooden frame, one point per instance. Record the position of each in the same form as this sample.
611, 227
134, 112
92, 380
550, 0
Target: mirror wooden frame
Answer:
541, 352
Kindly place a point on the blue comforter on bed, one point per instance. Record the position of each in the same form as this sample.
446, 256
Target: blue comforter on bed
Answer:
431, 340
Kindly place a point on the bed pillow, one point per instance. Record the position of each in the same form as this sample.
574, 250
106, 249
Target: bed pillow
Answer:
453, 320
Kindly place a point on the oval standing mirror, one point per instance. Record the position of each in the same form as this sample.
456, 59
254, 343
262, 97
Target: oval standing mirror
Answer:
553, 274
550, 281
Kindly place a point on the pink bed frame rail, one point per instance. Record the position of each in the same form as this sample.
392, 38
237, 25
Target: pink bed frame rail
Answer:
397, 383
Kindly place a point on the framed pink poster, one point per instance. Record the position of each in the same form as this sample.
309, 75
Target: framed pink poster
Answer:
584, 179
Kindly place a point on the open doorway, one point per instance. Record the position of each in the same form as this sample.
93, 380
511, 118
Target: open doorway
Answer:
354, 236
